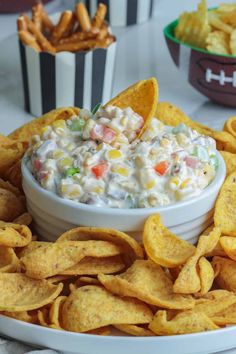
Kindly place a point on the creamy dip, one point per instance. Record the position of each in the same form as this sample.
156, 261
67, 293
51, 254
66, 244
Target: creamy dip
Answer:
98, 159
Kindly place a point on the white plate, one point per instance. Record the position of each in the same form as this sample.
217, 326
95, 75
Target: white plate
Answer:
68, 342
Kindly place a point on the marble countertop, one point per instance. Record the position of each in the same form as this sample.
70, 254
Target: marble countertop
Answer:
142, 52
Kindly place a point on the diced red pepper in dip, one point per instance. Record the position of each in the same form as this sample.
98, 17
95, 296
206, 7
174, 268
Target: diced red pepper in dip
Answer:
100, 169
162, 167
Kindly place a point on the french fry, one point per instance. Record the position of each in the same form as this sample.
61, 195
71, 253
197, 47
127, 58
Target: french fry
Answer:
85, 45
37, 15
83, 17
78, 36
70, 27
76, 46
28, 39
21, 24
73, 32
61, 27
103, 33
99, 16
104, 43
47, 23
41, 39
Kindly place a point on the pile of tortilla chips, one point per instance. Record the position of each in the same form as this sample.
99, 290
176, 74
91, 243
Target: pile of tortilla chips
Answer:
92, 280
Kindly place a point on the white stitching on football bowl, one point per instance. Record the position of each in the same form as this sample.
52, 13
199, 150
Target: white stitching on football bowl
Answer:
222, 79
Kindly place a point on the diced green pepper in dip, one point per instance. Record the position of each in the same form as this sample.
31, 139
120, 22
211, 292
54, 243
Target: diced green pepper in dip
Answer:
97, 158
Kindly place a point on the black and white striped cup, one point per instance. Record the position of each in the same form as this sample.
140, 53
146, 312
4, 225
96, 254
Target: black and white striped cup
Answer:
80, 79
123, 12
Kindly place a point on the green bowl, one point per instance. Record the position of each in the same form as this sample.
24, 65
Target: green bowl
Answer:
213, 75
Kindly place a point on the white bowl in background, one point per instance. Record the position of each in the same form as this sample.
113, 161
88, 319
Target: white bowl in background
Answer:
124, 13
54, 215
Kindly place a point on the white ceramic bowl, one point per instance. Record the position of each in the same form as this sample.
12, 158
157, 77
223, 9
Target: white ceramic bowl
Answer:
78, 343
54, 215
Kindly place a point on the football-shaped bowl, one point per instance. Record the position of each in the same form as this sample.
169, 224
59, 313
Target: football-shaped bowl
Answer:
213, 75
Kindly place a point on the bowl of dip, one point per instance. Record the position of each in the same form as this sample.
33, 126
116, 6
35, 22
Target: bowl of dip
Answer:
94, 170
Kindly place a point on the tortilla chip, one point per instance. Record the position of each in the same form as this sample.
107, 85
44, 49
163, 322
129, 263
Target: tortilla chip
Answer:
59, 278
226, 316
10, 153
171, 115
225, 207
183, 323
230, 161
93, 266
91, 307
224, 141
102, 331
162, 246
217, 251
131, 250
25, 132
188, 281
55, 311
10, 205
206, 275
14, 235
225, 273
82, 281
26, 316
229, 246
53, 258
10, 187
148, 282
13, 174
86, 281
230, 126
43, 316
33, 245
9, 263
23, 219
134, 330
5, 141
20, 293
141, 97
215, 301
208, 240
